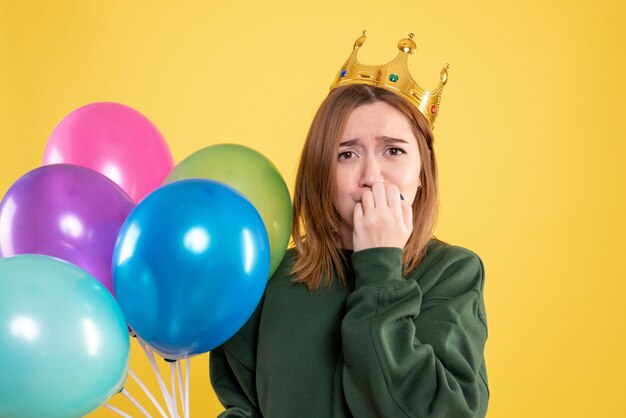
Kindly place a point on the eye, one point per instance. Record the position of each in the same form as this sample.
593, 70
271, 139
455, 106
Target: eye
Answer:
346, 155
395, 151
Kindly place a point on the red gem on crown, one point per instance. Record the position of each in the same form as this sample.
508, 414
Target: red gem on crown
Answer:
433, 109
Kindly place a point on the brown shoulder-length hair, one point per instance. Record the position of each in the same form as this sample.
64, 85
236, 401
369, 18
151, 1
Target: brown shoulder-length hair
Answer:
316, 226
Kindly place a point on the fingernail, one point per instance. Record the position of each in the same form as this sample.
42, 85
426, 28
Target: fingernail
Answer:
401, 197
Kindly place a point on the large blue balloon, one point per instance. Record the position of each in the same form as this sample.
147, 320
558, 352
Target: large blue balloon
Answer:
64, 345
190, 266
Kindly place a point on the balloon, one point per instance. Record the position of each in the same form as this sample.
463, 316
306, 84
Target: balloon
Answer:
116, 141
64, 346
66, 211
190, 266
256, 178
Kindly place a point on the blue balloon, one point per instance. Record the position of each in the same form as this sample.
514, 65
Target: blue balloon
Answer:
64, 345
190, 266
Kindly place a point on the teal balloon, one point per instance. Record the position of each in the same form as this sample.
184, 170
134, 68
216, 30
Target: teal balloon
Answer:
254, 176
64, 345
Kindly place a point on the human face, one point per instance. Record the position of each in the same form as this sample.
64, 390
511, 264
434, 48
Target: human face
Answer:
377, 145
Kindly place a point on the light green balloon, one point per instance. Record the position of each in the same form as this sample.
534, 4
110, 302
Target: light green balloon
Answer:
254, 176
64, 345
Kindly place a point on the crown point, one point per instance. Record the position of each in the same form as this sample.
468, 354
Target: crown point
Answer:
444, 75
360, 41
407, 45
411, 35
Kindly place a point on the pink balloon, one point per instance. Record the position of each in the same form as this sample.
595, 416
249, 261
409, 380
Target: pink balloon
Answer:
114, 140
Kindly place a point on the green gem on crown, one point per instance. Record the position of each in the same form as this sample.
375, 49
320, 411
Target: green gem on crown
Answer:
393, 77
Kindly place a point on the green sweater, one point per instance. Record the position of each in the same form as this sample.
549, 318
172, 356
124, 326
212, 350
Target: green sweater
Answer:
384, 346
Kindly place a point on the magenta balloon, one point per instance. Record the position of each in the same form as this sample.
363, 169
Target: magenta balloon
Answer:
114, 140
65, 211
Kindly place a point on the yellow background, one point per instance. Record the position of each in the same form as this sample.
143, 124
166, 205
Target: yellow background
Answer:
530, 144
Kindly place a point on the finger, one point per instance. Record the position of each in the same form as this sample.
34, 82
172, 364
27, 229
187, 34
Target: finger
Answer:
393, 198
407, 214
380, 195
357, 216
367, 200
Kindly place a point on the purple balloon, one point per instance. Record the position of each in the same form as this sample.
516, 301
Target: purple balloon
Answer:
66, 211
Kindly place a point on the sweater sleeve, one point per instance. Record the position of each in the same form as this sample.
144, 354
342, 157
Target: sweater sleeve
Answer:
414, 348
232, 370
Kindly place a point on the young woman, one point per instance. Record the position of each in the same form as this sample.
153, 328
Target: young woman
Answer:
368, 315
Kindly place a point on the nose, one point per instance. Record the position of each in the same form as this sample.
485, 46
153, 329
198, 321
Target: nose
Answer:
371, 172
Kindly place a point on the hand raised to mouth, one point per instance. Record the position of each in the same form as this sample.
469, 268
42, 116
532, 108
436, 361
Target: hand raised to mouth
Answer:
382, 218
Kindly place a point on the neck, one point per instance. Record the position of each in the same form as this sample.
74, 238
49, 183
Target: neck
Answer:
346, 237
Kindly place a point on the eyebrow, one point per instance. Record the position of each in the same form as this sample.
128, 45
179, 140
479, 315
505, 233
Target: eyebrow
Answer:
382, 138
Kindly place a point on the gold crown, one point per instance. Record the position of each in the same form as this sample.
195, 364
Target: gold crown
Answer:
395, 77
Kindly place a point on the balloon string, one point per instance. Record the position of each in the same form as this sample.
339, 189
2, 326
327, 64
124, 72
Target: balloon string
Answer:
173, 392
117, 411
164, 392
187, 413
181, 390
147, 392
134, 401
